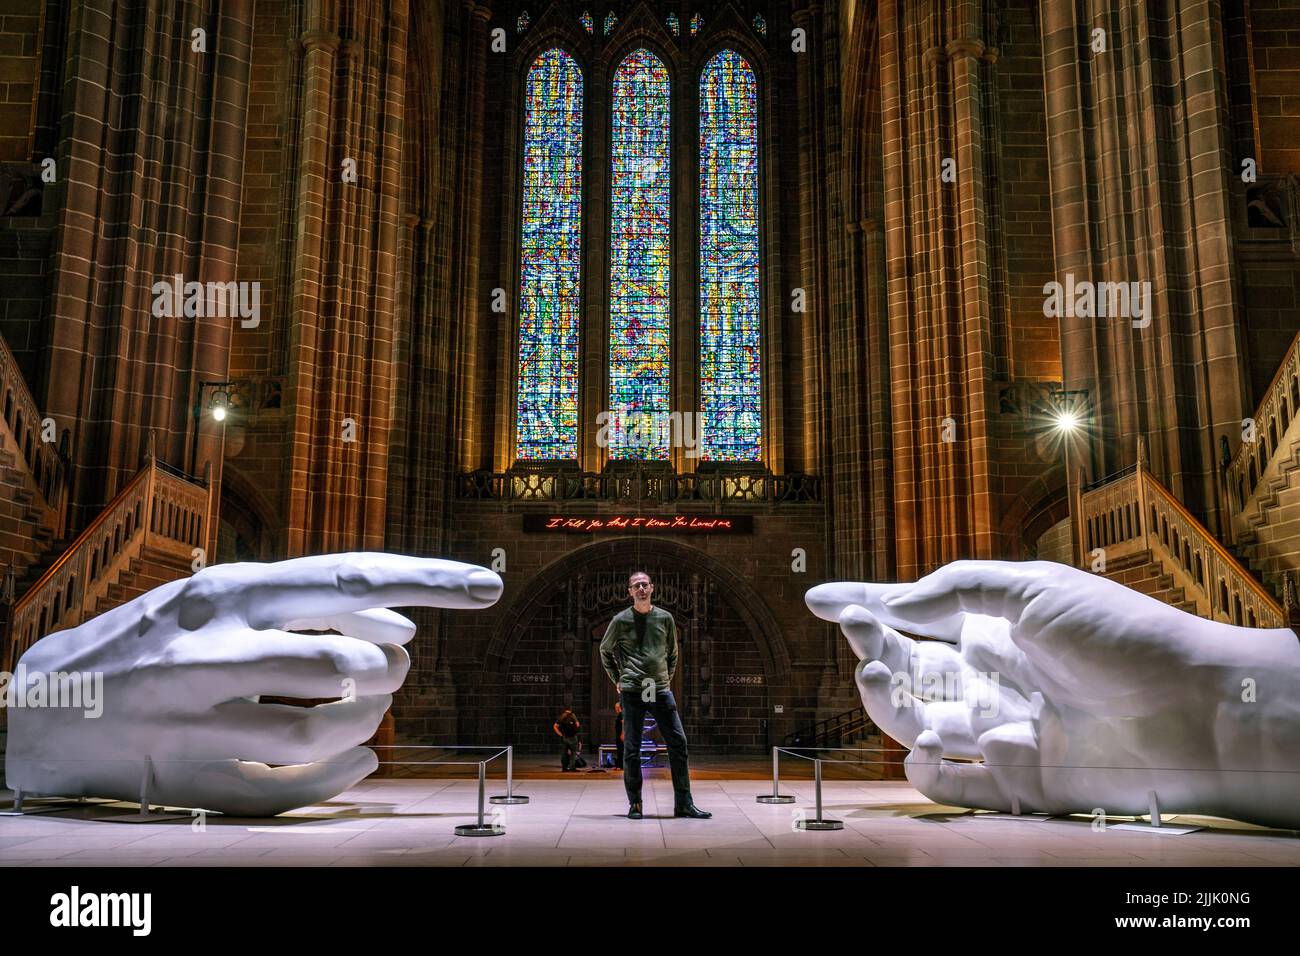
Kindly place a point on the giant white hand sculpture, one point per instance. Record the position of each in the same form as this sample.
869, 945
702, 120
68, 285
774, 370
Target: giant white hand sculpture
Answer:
1074, 693
184, 664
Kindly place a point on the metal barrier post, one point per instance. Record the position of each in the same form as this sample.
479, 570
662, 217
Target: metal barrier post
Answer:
145, 780
509, 795
776, 795
480, 828
819, 823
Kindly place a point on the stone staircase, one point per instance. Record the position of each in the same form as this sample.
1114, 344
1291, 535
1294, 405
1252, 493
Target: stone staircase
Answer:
1152, 543
1143, 573
870, 742
27, 526
143, 573
1266, 531
146, 536
32, 476
1263, 480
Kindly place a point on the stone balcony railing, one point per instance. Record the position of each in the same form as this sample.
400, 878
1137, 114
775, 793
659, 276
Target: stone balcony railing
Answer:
22, 430
1271, 420
1134, 512
643, 485
158, 510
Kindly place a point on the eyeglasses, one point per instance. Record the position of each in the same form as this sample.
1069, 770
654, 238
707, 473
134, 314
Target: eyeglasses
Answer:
639, 585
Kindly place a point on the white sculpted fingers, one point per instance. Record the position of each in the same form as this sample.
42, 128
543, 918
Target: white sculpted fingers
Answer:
1011, 753
892, 709
205, 669
872, 641
829, 601
929, 669
282, 733
249, 789
951, 720
951, 784
268, 595
378, 625
999, 588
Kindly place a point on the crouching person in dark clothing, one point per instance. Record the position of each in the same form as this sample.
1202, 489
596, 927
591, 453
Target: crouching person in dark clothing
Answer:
567, 726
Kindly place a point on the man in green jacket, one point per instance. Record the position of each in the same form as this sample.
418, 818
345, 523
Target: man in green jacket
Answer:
639, 652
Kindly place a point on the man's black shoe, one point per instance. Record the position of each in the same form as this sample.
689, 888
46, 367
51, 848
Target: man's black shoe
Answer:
691, 810
634, 812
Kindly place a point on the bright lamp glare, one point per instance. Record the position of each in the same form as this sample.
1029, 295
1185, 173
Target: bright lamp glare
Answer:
219, 413
1067, 421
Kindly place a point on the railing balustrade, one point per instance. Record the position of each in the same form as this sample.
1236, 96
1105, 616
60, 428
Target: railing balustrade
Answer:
157, 510
1136, 513
640, 485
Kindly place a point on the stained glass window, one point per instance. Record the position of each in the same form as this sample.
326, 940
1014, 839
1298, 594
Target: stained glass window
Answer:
587, 23
697, 21
730, 388
674, 25
760, 24
521, 23
610, 20
547, 425
639, 386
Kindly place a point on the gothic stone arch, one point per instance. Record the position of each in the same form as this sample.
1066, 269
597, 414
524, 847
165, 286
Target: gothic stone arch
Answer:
717, 613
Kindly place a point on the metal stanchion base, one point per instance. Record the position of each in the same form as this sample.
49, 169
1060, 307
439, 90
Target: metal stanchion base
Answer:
819, 825
508, 800
473, 829
31, 805
780, 798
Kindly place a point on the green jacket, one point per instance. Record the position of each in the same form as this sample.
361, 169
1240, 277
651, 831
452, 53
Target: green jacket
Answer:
628, 661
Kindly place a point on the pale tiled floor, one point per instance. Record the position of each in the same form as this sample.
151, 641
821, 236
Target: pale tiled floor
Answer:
578, 821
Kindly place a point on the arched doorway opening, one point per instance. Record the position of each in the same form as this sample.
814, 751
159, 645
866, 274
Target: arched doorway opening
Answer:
545, 654
244, 532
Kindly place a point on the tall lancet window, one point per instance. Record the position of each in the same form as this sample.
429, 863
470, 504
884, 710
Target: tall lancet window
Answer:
640, 248
730, 384
549, 291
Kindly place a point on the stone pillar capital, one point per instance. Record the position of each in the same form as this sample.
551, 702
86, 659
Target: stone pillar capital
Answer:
326, 40
804, 12
967, 46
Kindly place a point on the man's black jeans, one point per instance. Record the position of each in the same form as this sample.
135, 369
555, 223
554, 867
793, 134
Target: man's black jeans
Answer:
664, 709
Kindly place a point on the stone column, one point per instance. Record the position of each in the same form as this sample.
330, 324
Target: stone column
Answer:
344, 300
300, 399
1139, 148
470, 307
812, 241
116, 370
933, 65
